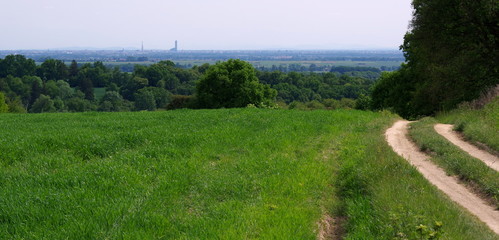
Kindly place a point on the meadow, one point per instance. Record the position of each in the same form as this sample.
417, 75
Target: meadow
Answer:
214, 174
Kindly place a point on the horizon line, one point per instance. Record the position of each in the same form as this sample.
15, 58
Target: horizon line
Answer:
187, 50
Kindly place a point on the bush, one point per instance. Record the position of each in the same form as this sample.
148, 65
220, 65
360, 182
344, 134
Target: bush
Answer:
16, 106
297, 105
180, 101
347, 103
3, 106
363, 102
43, 104
77, 104
314, 105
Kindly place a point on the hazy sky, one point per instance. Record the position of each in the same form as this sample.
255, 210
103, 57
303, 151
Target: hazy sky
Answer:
204, 24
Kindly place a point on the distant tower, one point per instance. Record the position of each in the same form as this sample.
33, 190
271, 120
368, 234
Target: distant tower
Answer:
176, 47
142, 46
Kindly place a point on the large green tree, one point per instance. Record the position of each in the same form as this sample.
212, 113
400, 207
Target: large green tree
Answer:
112, 101
451, 54
43, 104
36, 89
17, 66
73, 73
232, 84
52, 69
452, 48
87, 88
144, 100
132, 86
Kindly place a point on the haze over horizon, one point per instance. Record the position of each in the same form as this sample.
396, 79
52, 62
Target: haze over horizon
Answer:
204, 25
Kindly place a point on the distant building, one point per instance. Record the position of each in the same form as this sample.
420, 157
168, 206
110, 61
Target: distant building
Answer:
176, 47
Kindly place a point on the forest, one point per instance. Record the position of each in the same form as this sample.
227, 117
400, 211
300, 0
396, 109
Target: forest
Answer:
55, 86
451, 57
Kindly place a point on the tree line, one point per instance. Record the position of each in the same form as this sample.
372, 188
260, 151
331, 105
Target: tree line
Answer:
451, 56
54, 86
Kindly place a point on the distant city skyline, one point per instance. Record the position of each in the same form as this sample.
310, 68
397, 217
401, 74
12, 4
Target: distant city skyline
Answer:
204, 25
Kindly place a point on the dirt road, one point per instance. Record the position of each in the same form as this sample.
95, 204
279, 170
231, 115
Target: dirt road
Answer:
396, 137
489, 159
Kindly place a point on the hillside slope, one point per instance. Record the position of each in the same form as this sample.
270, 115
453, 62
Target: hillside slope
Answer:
213, 174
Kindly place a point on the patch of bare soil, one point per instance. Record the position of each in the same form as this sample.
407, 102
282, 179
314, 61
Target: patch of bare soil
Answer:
331, 228
396, 137
446, 131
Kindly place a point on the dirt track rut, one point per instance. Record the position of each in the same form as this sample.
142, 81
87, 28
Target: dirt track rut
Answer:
446, 131
396, 137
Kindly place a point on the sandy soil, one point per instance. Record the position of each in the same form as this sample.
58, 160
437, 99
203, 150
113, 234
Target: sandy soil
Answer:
453, 137
331, 228
396, 137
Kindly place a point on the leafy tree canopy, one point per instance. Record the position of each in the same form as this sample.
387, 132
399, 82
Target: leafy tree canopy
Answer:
17, 66
43, 104
451, 54
232, 84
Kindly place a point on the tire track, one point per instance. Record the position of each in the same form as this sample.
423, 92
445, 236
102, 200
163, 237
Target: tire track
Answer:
396, 137
446, 131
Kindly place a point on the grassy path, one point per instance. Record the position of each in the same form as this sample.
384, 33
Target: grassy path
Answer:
446, 131
470, 171
397, 139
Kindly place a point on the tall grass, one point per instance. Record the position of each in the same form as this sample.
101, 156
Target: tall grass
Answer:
212, 174
385, 198
227, 174
477, 125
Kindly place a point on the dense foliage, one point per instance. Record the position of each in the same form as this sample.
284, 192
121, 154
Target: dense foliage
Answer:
233, 84
451, 54
54, 86
305, 87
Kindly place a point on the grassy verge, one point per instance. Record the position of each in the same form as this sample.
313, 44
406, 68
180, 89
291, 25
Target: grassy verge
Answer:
213, 174
454, 160
385, 198
476, 125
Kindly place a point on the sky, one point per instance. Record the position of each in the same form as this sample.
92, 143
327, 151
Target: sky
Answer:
204, 24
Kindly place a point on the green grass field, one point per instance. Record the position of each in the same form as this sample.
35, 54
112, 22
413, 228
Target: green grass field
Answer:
213, 174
